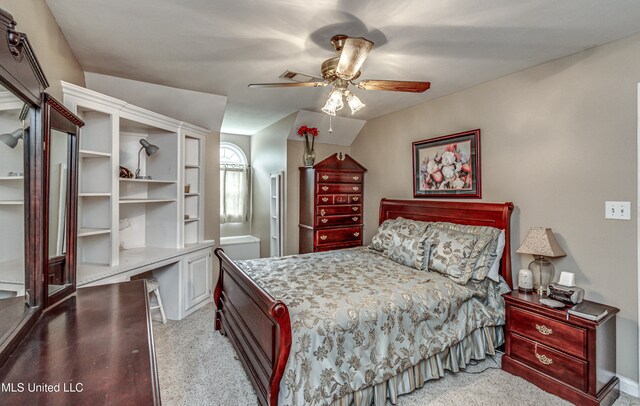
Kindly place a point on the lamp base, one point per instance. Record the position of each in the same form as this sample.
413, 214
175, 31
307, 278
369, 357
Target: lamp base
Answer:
542, 271
143, 177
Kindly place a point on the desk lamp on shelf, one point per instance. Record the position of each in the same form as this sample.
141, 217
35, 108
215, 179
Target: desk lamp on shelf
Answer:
149, 149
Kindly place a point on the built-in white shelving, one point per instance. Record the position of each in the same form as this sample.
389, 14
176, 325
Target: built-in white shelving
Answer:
115, 214
2, 178
11, 202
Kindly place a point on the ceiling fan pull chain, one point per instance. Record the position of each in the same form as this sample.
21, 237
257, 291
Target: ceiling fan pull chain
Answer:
330, 129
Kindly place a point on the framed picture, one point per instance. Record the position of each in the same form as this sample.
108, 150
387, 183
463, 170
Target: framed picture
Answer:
448, 166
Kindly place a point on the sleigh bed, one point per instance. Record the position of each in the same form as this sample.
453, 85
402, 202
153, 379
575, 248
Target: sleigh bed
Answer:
353, 327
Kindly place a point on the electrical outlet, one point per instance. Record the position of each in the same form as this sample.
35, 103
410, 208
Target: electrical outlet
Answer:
618, 210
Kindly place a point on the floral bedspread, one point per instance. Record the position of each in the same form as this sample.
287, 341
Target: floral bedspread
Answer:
359, 318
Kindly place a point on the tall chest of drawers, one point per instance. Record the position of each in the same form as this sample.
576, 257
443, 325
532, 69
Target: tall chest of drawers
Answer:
571, 357
331, 194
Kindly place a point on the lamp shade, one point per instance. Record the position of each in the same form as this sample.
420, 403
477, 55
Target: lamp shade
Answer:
540, 241
149, 149
12, 139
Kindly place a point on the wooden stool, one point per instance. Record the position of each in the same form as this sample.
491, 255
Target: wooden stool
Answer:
153, 286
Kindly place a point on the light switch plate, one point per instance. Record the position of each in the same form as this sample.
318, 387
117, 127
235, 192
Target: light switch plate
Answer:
618, 210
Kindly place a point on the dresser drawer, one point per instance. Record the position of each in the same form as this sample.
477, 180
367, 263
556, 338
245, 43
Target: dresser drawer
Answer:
333, 210
338, 220
339, 246
559, 365
335, 235
547, 331
338, 177
336, 188
325, 199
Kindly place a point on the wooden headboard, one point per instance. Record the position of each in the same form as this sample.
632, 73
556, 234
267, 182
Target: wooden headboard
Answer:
496, 215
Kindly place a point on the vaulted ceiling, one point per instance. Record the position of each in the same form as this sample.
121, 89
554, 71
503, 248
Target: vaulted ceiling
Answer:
220, 46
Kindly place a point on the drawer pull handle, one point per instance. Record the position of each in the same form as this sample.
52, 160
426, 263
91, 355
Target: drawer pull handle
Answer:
325, 177
324, 221
356, 178
355, 199
340, 200
354, 218
544, 359
544, 330
323, 237
322, 212
325, 199
325, 188
356, 234
356, 188
354, 208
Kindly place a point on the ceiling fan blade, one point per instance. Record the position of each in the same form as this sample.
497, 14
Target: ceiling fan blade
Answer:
354, 52
394, 85
299, 77
303, 84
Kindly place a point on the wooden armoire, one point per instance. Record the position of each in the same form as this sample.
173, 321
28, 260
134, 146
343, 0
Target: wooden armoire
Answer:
331, 194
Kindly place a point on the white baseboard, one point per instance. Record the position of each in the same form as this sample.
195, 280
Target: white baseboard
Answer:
629, 386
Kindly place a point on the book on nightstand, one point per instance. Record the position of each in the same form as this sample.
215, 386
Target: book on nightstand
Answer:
588, 310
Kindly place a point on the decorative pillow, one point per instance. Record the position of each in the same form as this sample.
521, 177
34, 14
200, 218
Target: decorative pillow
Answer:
382, 239
494, 271
483, 255
450, 252
410, 251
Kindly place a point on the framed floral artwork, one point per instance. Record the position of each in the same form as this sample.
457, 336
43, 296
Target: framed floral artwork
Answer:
448, 166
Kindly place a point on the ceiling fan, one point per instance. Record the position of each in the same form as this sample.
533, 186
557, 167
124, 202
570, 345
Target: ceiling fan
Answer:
341, 71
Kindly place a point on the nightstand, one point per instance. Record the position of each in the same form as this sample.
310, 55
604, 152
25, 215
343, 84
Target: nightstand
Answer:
571, 357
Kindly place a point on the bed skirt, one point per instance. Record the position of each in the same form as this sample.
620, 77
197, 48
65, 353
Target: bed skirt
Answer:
475, 346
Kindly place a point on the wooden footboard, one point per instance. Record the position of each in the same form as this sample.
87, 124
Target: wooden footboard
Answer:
257, 325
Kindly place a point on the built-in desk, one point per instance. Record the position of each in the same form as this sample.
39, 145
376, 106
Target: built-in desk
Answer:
185, 274
93, 348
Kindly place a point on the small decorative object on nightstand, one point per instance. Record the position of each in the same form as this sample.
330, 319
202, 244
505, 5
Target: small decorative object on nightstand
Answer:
571, 357
541, 243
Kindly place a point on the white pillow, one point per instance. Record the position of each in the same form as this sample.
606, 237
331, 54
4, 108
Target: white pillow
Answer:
494, 271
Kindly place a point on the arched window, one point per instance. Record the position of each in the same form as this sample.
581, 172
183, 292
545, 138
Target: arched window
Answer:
235, 184
231, 154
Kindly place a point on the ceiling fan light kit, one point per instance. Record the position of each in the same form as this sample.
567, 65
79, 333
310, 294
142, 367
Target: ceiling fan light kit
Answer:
341, 71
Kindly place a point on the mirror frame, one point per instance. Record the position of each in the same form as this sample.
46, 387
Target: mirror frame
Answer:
58, 117
22, 75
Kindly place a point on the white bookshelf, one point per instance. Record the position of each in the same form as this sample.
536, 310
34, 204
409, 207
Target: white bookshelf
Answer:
152, 211
193, 206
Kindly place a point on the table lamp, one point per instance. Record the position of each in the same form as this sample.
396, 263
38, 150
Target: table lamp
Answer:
541, 243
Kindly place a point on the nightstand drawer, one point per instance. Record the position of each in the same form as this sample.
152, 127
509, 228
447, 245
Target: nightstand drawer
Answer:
547, 331
563, 367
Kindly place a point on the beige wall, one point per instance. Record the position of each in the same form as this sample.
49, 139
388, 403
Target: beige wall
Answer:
54, 54
268, 154
295, 149
558, 140
244, 143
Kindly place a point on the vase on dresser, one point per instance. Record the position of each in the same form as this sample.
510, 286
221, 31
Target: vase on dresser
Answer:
309, 157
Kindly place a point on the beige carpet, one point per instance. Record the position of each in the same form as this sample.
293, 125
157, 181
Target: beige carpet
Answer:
197, 366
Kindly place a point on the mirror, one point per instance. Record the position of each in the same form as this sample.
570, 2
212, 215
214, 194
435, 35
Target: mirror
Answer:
22, 83
58, 191
61, 157
12, 207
